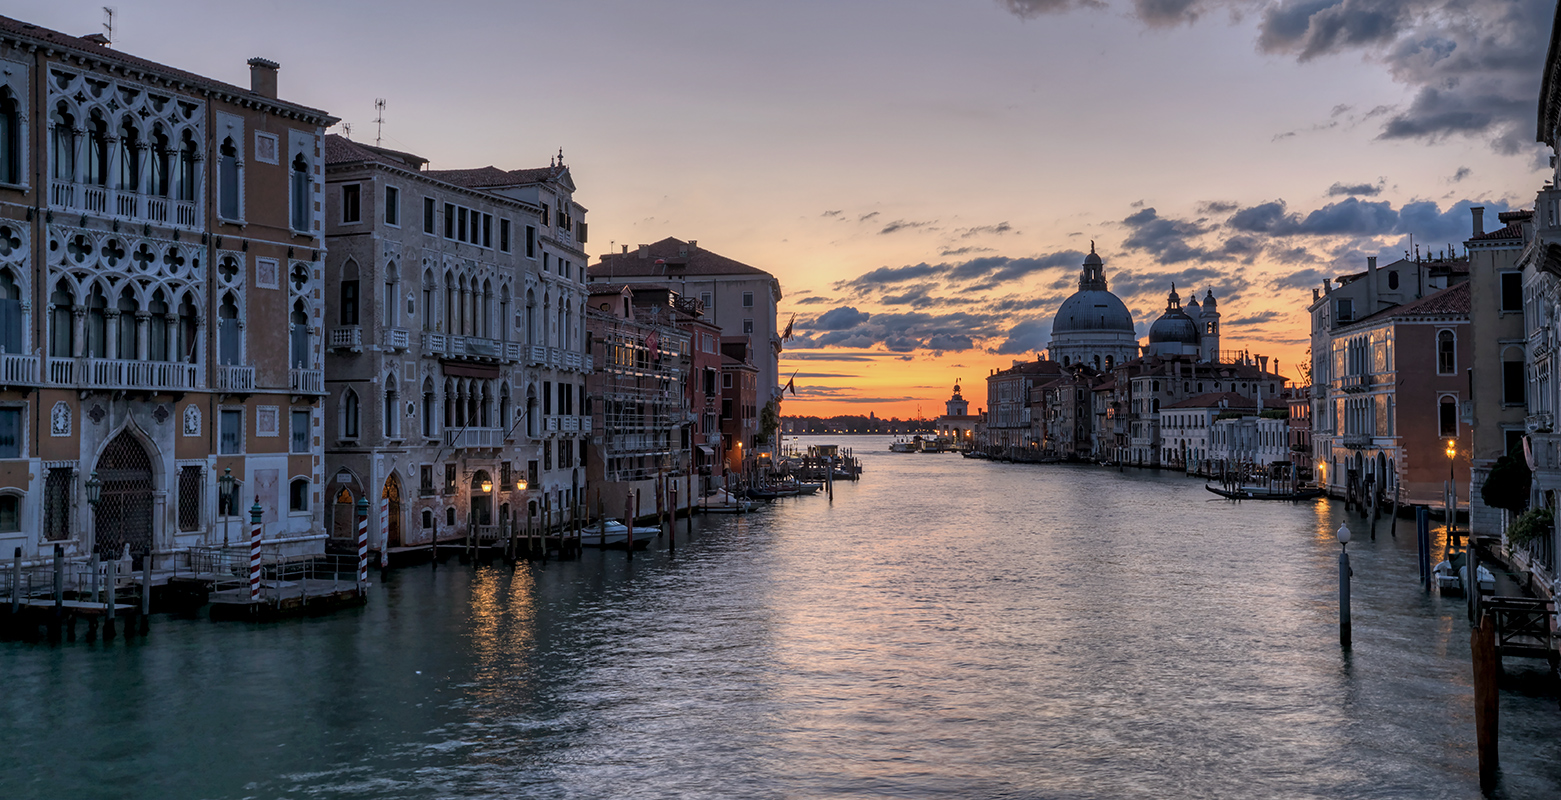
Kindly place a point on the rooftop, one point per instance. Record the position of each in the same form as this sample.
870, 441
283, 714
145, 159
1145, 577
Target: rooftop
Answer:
669, 258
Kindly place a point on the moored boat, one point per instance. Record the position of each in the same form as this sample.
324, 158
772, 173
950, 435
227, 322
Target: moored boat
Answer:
1258, 493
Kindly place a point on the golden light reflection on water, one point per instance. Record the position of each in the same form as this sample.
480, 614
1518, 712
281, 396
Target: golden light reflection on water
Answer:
502, 610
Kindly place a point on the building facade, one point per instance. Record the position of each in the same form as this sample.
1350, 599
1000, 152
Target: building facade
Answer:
161, 255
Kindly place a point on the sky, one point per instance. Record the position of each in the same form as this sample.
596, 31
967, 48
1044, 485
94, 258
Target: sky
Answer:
924, 177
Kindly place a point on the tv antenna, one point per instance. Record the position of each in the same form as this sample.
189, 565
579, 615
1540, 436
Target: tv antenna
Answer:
379, 119
346, 129
108, 23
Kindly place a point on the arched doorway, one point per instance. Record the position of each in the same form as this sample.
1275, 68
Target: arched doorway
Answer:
344, 526
482, 499
392, 497
124, 513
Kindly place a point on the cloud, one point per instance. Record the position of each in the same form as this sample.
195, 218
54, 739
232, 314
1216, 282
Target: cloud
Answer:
1463, 172
869, 215
902, 225
982, 269
884, 275
808, 301
962, 251
1217, 207
835, 213
1026, 336
999, 228
1028, 9
1352, 189
1168, 240
1258, 318
838, 319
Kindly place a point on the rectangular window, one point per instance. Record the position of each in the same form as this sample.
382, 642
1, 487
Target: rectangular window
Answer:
547, 455
726, 380
10, 433
350, 203
300, 432
1511, 291
449, 220
191, 488
1513, 383
747, 299
747, 326
504, 235
1345, 310
56, 504
487, 230
428, 215
1447, 416
449, 479
230, 432
704, 297
531, 241
547, 398
460, 225
425, 485
392, 206
531, 473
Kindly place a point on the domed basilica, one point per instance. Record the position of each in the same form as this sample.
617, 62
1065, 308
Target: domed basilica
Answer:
1093, 326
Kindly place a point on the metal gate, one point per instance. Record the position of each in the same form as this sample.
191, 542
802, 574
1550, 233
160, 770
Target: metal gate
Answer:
124, 514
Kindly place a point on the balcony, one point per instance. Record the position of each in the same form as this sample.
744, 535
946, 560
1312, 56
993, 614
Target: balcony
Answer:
474, 437
555, 357
306, 381
1356, 383
572, 361
538, 356
586, 364
442, 345
130, 206
18, 370
113, 373
347, 337
398, 339
585, 424
235, 378
1355, 441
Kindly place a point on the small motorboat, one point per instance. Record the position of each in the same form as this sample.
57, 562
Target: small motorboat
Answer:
721, 501
1451, 575
606, 533
1259, 493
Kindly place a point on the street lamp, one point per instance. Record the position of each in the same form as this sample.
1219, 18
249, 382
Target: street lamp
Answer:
94, 494
487, 486
520, 484
225, 496
1343, 535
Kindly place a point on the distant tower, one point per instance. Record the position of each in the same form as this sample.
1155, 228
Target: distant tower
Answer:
957, 405
1209, 326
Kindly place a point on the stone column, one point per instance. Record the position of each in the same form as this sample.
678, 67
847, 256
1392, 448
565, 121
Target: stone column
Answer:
78, 321
143, 335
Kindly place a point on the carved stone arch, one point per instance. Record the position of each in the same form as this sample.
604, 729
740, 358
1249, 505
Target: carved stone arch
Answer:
130, 466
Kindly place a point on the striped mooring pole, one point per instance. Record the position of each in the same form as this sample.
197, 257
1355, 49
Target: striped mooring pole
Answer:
255, 512
363, 539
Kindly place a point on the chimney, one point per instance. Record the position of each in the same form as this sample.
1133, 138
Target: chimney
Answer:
683, 251
1479, 219
1371, 284
644, 251
693, 244
625, 249
262, 77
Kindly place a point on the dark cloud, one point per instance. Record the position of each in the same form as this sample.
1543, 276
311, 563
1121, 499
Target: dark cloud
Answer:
1310, 28
1026, 336
838, 319
1168, 240
910, 331
902, 225
1258, 318
835, 213
1301, 279
867, 216
982, 270
1354, 189
1217, 207
1463, 172
1027, 9
1346, 217
808, 301
884, 275
1001, 227
965, 251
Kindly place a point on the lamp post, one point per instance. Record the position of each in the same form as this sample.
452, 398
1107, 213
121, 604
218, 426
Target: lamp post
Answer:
1343, 535
225, 496
94, 487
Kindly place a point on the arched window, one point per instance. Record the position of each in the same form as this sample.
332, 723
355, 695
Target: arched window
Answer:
62, 144
504, 412
545, 336
97, 324
429, 409
390, 310
97, 151
10, 314
10, 138
162, 164
1447, 415
129, 156
392, 419
487, 311
531, 412
430, 290
301, 189
1446, 353
189, 158
531, 317
451, 406
298, 495
157, 332
428, 519
62, 333
298, 336
348, 307
188, 323
126, 345
449, 516
349, 414
230, 348
228, 179
504, 319
451, 302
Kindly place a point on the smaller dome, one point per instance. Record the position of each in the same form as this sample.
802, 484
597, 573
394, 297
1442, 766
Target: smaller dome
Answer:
1173, 326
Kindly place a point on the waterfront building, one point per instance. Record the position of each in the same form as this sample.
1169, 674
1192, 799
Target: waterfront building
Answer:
1146, 385
1389, 388
1299, 400
638, 394
739, 299
1498, 383
448, 379
1092, 326
1189, 426
1062, 413
957, 423
740, 393
160, 267
1008, 422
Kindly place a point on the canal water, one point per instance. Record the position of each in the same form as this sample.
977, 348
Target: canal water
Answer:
944, 628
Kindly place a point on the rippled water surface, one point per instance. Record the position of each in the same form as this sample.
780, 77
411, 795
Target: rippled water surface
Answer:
945, 628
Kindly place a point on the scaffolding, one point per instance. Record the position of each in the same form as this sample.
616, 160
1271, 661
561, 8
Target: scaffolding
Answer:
639, 393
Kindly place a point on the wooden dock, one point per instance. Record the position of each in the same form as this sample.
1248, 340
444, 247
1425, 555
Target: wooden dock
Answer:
280, 599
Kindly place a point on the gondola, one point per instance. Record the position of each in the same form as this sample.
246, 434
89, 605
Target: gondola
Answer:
1265, 494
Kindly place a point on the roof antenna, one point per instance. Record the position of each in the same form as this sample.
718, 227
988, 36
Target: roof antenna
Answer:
346, 129
379, 119
108, 23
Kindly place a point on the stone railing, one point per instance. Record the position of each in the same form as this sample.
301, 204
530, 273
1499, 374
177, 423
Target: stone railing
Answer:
347, 337
18, 370
235, 378
113, 373
306, 381
131, 206
398, 339
474, 437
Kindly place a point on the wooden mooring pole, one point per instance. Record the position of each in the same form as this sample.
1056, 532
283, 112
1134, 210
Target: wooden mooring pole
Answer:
146, 592
1487, 698
628, 521
110, 577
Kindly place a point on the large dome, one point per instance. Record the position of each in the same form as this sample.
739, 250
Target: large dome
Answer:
1093, 310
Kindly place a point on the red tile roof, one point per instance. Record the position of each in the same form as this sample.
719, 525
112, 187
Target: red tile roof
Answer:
1450, 301
93, 50
669, 258
1215, 400
341, 150
491, 177
1513, 230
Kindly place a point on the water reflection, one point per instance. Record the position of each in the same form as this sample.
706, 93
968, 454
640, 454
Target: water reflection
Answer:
944, 628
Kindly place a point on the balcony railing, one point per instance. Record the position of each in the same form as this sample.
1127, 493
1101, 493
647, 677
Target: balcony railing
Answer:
538, 355
571, 361
347, 337
474, 437
235, 378
306, 381
18, 370
124, 205
474, 347
113, 373
399, 339
1356, 441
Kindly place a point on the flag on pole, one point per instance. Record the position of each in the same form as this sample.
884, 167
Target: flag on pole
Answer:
790, 384
651, 341
786, 335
